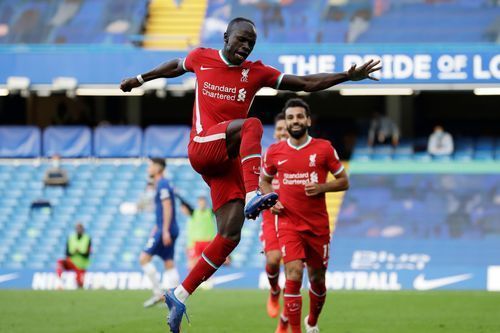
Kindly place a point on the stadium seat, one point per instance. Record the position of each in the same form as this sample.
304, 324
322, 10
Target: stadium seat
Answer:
166, 141
20, 141
67, 141
117, 141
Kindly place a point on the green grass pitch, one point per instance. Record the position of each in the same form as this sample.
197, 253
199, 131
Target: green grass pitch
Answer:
234, 311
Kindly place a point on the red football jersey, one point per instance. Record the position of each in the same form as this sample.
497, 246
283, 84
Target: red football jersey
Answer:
297, 166
225, 91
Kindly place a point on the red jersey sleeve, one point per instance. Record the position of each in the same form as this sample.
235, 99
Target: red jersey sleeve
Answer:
268, 165
270, 76
332, 160
190, 62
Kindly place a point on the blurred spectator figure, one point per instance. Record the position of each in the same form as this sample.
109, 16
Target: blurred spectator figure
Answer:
382, 130
440, 142
359, 23
78, 249
201, 228
56, 176
272, 17
146, 202
492, 33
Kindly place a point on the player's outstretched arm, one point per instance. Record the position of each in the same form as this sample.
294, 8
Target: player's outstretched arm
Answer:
317, 82
169, 69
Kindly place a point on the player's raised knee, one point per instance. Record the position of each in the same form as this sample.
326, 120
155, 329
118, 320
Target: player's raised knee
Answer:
254, 124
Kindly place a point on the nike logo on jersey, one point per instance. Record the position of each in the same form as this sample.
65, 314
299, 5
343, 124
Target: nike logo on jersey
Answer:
205, 68
421, 283
281, 162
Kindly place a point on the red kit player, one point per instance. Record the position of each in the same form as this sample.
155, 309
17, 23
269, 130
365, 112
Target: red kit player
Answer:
303, 164
268, 235
225, 145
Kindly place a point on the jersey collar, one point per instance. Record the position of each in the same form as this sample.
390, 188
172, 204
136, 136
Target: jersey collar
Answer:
226, 61
308, 141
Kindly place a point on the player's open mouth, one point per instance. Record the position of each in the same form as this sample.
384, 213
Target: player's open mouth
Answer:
241, 55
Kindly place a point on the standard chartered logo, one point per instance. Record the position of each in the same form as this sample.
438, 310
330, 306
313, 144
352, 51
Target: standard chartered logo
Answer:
242, 95
224, 92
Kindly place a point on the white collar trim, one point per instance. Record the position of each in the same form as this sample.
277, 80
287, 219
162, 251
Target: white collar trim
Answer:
226, 61
308, 141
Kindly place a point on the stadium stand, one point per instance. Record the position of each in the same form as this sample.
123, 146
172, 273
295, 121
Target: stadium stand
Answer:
382, 21
32, 238
466, 149
71, 21
173, 25
20, 141
104, 142
169, 25
67, 141
419, 205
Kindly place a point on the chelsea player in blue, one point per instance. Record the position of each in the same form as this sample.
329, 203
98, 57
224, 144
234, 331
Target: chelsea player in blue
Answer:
163, 236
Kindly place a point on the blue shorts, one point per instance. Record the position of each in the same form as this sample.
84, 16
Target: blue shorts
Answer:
154, 246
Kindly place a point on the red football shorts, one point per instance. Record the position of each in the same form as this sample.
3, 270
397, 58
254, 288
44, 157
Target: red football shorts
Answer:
313, 249
208, 156
198, 249
268, 235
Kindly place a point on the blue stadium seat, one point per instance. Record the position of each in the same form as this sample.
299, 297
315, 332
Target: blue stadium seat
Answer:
117, 141
166, 141
20, 141
67, 141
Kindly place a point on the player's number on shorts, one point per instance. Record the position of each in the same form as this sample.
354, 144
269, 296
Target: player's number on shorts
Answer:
326, 250
150, 243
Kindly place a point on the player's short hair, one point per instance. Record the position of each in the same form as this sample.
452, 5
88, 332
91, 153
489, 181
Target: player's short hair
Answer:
236, 20
279, 116
159, 161
297, 102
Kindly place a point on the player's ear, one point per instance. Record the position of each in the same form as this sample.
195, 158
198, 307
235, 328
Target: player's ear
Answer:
226, 37
309, 122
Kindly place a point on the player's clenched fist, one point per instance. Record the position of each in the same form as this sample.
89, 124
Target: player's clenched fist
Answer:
313, 189
129, 84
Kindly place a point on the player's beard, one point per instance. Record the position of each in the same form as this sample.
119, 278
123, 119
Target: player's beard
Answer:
298, 133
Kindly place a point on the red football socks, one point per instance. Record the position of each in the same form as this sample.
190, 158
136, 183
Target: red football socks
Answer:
273, 275
293, 304
250, 152
317, 296
212, 258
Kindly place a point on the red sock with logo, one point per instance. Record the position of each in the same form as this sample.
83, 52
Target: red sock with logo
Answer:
317, 296
212, 258
273, 275
250, 152
293, 304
